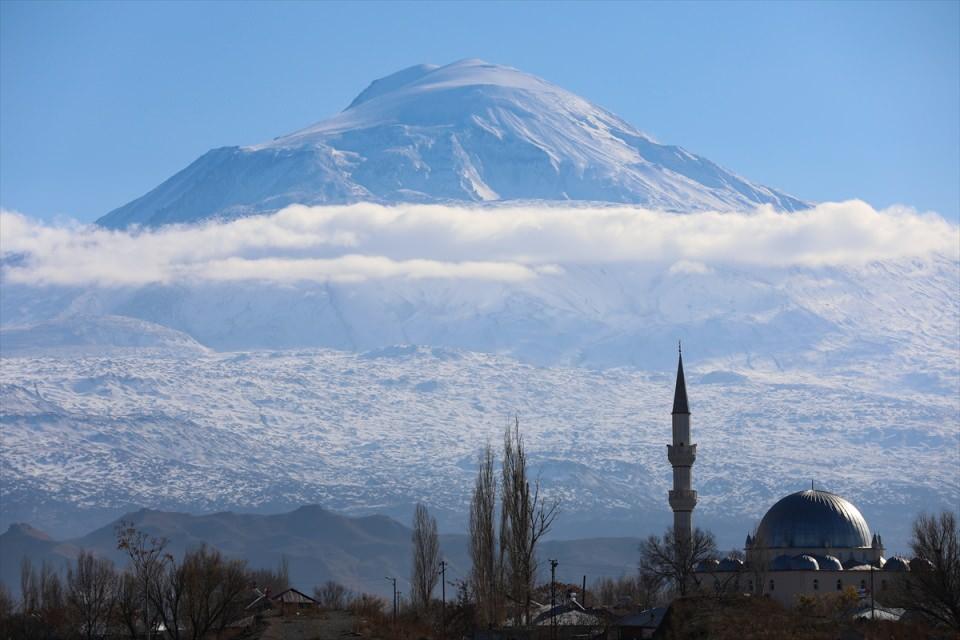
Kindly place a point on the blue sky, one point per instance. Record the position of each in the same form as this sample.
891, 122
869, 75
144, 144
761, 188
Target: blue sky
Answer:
100, 102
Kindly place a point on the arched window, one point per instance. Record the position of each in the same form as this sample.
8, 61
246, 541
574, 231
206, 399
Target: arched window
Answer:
816, 585
863, 584
771, 585
883, 585
750, 586
839, 585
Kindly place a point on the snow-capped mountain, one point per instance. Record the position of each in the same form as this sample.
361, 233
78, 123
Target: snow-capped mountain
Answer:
469, 131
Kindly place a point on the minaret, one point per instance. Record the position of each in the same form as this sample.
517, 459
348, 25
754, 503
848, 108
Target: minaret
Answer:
682, 454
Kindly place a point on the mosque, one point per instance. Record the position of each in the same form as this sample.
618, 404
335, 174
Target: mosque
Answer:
812, 542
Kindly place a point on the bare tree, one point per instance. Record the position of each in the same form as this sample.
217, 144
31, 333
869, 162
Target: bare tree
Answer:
426, 557
43, 605
91, 593
213, 588
526, 516
630, 592
332, 595
29, 589
485, 574
147, 559
272, 580
934, 589
672, 559
129, 599
7, 604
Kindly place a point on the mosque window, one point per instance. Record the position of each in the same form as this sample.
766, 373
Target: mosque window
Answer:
839, 585
771, 585
816, 584
863, 584
750, 586
883, 585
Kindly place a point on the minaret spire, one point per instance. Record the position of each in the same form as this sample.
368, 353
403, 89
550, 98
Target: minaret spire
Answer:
682, 454
680, 393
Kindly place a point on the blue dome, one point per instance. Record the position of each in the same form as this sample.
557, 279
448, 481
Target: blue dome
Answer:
829, 563
707, 566
730, 564
804, 563
813, 519
781, 563
921, 564
897, 563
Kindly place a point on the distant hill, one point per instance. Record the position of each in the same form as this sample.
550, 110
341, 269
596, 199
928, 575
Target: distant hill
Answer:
319, 545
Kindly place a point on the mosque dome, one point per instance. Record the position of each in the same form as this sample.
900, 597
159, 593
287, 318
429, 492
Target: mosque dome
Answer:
921, 564
707, 566
897, 563
730, 564
804, 563
829, 563
813, 519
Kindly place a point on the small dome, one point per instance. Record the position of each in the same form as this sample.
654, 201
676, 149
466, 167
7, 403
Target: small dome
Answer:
706, 566
730, 564
852, 563
829, 563
804, 563
813, 519
897, 564
921, 564
781, 563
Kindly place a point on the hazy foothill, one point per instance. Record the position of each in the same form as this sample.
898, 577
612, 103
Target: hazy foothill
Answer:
475, 357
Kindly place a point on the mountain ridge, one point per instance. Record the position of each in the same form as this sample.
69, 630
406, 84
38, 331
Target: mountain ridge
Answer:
318, 543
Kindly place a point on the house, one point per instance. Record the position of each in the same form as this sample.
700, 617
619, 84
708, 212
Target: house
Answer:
288, 602
643, 624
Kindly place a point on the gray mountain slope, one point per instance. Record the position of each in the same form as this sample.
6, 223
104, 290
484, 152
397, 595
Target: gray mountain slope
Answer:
318, 544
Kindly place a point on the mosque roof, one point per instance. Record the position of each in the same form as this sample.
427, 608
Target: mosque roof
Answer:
813, 519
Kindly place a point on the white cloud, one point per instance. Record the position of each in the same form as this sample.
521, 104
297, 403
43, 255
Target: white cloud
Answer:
504, 243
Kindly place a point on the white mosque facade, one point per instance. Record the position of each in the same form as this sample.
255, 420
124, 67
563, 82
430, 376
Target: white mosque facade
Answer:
811, 542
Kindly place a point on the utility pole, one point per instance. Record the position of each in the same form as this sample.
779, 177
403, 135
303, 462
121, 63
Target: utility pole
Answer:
583, 593
553, 598
394, 581
443, 598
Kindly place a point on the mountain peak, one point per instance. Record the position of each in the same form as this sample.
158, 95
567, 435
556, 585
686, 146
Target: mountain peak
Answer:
22, 529
391, 82
469, 131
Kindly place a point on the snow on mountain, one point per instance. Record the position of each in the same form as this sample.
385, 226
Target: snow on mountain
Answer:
76, 334
268, 430
469, 131
847, 375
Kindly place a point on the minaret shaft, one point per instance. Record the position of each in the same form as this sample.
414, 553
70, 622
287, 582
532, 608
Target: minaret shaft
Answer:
682, 454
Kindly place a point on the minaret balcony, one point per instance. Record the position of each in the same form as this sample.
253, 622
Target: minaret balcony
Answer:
682, 455
683, 499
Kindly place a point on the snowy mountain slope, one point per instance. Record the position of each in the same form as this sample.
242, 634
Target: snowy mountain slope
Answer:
273, 430
881, 321
468, 131
77, 334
